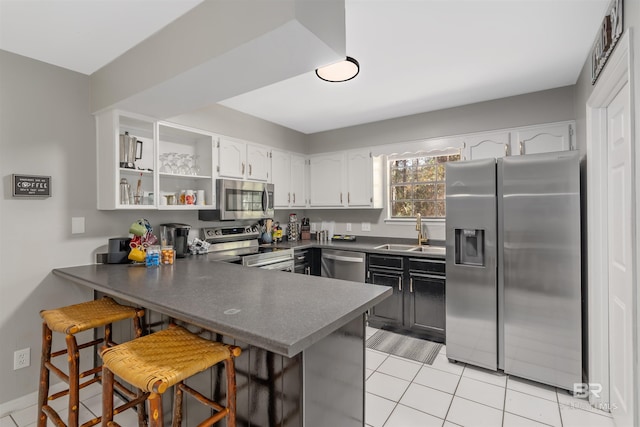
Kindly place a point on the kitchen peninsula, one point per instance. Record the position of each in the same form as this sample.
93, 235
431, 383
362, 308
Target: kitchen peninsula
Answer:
303, 337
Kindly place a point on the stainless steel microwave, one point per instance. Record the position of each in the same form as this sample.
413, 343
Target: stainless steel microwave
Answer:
237, 200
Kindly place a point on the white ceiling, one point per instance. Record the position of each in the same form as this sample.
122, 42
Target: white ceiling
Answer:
415, 55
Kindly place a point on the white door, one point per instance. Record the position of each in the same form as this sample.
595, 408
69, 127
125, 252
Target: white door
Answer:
620, 266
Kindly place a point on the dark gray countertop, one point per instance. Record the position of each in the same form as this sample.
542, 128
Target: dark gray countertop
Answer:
368, 244
281, 312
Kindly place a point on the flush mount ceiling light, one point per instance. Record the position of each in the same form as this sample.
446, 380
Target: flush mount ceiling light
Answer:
340, 71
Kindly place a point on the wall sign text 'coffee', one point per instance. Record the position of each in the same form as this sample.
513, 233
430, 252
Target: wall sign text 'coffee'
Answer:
31, 185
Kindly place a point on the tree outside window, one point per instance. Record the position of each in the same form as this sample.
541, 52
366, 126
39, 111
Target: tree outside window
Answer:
417, 185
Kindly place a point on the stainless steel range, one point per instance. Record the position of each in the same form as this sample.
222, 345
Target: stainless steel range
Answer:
239, 244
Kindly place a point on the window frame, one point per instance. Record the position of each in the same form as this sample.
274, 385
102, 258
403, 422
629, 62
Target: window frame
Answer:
390, 186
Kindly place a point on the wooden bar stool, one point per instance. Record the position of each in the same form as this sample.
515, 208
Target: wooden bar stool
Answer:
71, 320
163, 359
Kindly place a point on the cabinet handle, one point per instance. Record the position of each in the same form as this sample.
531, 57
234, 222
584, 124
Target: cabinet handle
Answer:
242, 168
249, 169
411, 284
340, 198
521, 148
400, 283
349, 197
288, 197
506, 150
294, 197
307, 271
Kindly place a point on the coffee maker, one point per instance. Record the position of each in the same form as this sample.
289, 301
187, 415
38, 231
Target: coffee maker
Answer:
181, 233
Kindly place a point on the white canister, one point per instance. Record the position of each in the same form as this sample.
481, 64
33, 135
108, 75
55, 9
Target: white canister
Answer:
200, 198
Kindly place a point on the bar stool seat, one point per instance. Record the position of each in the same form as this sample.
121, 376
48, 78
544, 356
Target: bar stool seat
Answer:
155, 362
71, 320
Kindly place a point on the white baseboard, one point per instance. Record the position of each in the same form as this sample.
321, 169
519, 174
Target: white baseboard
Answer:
26, 401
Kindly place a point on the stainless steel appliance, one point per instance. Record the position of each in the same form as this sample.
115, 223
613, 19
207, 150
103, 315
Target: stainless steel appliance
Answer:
180, 237
345, 265
239, 244
237, 200
514, 266
129, 151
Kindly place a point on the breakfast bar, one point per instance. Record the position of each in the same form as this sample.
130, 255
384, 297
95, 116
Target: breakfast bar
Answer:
302, 337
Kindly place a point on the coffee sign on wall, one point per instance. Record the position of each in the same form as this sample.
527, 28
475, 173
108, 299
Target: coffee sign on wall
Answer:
31, 185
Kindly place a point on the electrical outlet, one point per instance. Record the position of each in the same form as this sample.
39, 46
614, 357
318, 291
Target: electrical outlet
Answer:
21, 358
366, 226
348, 226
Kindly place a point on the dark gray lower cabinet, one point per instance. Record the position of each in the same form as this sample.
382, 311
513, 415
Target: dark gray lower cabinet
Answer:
417, 306
391, 310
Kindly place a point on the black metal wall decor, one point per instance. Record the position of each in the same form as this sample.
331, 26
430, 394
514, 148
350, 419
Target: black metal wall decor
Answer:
34, 186
608, 36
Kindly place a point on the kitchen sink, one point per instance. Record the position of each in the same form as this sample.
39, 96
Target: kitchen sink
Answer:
397, 247
429, 249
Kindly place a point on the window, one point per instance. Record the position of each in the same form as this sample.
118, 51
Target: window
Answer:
417, 185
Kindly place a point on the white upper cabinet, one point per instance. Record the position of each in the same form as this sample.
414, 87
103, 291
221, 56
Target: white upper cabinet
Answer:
486, 146
240, 160
542, 139
347, 179
289, 179
327, 173
298, 181
281, 178
185, 163
126, 166
232, 158
258, 162
359, 179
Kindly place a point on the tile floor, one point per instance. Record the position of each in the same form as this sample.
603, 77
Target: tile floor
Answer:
404, 393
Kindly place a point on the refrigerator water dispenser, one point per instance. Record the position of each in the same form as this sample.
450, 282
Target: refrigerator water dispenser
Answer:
469, 247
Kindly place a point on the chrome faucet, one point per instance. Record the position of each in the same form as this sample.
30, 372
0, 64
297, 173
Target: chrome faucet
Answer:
422, 235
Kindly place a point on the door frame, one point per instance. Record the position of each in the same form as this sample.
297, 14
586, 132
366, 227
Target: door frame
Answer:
613, 78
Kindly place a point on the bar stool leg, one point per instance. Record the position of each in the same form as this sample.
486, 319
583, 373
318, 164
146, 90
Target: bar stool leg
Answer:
74, 380
155, 410
229, 367
43, 390
107, 397
177, 406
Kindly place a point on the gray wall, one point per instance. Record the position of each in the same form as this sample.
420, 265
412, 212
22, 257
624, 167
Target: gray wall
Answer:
46, 128
552, 105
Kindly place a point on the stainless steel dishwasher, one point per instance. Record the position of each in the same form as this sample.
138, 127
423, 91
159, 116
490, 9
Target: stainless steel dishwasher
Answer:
343, 265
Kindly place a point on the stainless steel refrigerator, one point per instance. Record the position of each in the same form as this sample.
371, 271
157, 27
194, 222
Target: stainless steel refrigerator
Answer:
513, 290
